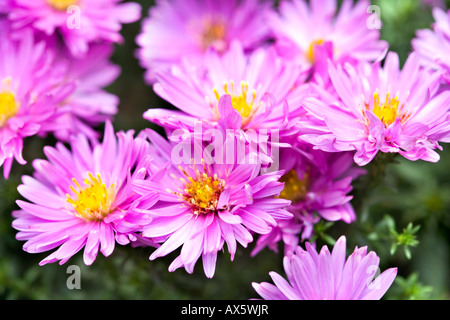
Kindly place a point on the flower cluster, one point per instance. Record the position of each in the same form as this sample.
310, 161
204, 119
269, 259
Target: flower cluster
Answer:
55, 66
276, 112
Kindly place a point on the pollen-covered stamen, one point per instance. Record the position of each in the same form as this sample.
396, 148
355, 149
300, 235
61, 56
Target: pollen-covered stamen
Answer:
388, 111
94, 200
295, 189
213, 34
310, 54
62, 5
8, 106
202, 192
242, 102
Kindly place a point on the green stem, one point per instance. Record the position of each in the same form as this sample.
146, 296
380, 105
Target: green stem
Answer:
376, 172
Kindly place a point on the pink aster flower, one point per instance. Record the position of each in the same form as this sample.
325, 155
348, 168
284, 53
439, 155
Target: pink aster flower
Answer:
258, 85
310, 34
203, 205
81, 198
433, 45
32, 84
382, 109
186, 29
318, 184
88, 104
329, 276
78, 22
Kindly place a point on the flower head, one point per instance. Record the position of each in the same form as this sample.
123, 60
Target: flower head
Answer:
432, 45
313, 33
381, 109
318, 184
82, 198
191, 27
238, 92
329, 276
204, 204
78, 22
88, 104
32, 85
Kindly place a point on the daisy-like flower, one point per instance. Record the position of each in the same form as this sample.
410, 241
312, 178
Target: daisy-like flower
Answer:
382, 109
78, 22
81, 198
89, 104
32, 84
259, 86
318, 183
433, 45
189, 28
310, 34
203, 205
329, 276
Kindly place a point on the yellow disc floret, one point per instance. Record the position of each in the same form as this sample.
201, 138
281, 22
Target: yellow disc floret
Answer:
202, 192
8, 106
61, 5
241, 101
213, 35
295, 189
310, 54
388, 111
94, 200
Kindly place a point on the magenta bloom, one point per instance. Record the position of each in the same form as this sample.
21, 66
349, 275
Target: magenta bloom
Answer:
310, 34
32, 85
78, 22
318, 184
88, 104
203, 205
81, 198
259, 86
186, 29
43, 91
433, 45
329, 276
381, 109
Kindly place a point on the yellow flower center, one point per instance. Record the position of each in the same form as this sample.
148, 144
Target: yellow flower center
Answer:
8, 106
295, 189
94, 201
240, 101
61, 5
388, 111
310, 54
214, 33
202, 192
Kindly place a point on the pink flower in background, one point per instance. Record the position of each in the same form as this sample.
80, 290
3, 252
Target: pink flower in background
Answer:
310, 34
42, 92
318, 183
185, 29
89, 104
78, 22
259, 86
433, 45
32, 84
381, 109
203, 205
329, 276
81, 198
4, 6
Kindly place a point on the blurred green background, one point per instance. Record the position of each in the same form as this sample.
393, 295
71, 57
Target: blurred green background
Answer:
403, 213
